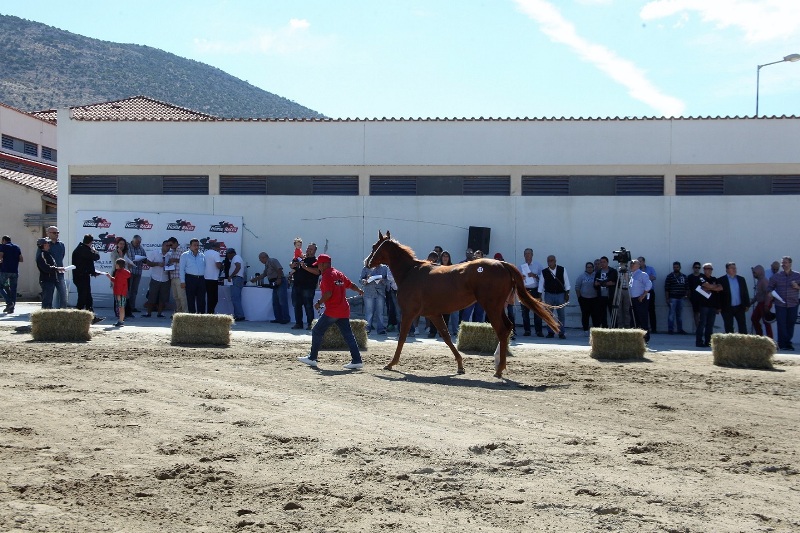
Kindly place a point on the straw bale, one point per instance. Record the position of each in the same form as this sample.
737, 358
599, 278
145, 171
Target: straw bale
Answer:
189, 328
617, 343
477, 337
742, 351
61, 325
333, 340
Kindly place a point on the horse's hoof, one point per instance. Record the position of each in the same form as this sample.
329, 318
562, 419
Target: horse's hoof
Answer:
387, 367
498, 375
462, 371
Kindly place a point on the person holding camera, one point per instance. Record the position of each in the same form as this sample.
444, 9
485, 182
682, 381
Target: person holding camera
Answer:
83, 258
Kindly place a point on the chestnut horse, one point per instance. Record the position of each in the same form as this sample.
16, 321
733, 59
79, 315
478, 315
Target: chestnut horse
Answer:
425, 289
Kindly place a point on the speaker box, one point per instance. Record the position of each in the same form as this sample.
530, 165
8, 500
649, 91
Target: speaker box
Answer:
479, 239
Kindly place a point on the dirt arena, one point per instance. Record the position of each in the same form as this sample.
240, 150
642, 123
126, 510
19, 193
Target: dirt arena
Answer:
127, 433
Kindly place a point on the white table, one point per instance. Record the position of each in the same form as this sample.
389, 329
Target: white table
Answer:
256, 303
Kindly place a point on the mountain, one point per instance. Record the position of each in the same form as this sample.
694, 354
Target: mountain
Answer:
42, 67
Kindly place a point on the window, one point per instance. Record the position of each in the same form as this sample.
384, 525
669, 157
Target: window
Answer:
8, 142
18, 145
439, 185
290, 185
51, 154
30, 148
166, 185
592, 185
736, 185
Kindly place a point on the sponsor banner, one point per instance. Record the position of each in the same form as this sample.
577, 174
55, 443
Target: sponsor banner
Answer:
215, 232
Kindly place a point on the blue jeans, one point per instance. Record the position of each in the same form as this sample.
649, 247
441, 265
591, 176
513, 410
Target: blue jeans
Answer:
556, 299
61, 292
374, 304
8, 287
280, 302
48, 287
322, 325
675, 314
236, 296
303, 298
784, 319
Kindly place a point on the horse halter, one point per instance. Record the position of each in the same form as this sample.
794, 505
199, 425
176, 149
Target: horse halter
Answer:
368, 260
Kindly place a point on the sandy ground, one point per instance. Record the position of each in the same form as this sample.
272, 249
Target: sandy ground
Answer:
126, 433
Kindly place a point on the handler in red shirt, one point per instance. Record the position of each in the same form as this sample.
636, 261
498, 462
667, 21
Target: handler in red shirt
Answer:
333, 285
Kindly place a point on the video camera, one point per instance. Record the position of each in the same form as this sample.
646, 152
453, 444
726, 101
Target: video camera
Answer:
622, 255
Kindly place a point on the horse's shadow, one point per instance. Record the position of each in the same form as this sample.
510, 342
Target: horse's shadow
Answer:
457, 380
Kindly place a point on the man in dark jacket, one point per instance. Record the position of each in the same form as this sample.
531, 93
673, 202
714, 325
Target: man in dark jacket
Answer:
734, 299
83, 258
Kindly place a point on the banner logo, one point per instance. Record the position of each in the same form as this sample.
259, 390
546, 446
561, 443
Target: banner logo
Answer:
138, 223
180, 225
96, 222
223, 227
105, 242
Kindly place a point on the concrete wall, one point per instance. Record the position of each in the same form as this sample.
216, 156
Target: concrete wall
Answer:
16, 202
746, 229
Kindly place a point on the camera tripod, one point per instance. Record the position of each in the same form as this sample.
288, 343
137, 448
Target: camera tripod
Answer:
622, 298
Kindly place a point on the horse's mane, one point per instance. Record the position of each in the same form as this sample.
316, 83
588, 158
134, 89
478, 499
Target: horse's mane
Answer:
404, 248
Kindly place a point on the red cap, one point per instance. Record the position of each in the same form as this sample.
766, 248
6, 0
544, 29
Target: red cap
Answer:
322, 258
498, 256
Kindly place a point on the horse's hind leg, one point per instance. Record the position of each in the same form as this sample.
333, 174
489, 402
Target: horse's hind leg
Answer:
438, 321
405, 327
502, 327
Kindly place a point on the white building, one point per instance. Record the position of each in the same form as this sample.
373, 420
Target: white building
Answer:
28, 187
711, 189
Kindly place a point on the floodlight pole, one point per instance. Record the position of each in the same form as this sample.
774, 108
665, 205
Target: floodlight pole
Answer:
791, 58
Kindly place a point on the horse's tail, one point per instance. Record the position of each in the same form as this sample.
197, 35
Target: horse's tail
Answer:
537, 306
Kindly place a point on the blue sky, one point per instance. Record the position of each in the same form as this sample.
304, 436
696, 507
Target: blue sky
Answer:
473, 58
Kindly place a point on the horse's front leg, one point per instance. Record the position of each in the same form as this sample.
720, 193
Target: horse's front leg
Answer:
405, 327
438, 321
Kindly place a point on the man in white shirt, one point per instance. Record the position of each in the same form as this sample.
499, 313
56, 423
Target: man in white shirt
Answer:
235, 276
158, 291
531, 272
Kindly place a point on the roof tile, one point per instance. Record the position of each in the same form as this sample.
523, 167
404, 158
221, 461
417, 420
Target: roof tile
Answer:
43, 185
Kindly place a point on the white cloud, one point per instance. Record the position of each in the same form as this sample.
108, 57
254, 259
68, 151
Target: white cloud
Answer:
621, 70
761, 21
293, 37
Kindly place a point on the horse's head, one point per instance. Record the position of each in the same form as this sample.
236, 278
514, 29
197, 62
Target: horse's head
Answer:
378, 254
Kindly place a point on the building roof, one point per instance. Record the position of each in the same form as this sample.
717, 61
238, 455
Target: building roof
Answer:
133, 108
45, 186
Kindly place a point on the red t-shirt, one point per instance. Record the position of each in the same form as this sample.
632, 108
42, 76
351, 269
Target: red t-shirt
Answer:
336, 306
121, 282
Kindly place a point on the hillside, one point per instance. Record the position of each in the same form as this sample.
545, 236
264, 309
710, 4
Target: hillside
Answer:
44, 68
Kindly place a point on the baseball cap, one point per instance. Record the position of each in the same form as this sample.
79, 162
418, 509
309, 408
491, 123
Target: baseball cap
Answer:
322, 258
43, 240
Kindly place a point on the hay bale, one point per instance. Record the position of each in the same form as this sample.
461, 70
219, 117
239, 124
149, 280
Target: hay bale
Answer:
333, 340
61, 325
477, 337
617, 343
189, 328
742, 351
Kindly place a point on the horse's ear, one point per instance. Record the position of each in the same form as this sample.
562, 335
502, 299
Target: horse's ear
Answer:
388, 234
380, 235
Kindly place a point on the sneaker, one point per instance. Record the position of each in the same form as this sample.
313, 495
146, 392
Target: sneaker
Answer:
136, 310
119, 324
526, 334
382, 332
353, 366
147, 315
539, 334
562, 336
550, 335
297, 326
97, 319
159, 315
308, 361
308, 328
390, 328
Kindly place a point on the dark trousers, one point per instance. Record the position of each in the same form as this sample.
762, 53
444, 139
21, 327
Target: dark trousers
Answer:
196, 294
651, 309
212, 295
737, 312
785, 320
603, 310
526, 315
303, 298
640, 315
84, 286
706, 326
280, 302
48, 288
590, 308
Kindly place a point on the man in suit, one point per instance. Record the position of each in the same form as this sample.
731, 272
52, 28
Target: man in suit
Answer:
734, 299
